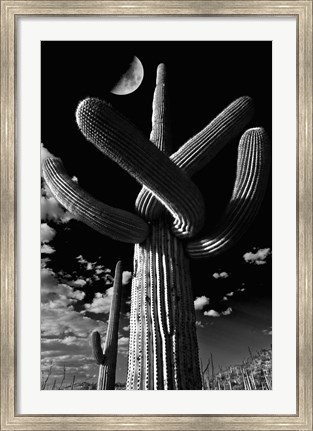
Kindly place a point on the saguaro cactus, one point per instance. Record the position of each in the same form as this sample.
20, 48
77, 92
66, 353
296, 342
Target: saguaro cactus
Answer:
163, 348
106, 357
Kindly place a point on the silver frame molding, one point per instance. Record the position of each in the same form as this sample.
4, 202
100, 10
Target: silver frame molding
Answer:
302, 10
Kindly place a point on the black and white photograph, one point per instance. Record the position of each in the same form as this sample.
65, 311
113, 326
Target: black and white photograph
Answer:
156, 215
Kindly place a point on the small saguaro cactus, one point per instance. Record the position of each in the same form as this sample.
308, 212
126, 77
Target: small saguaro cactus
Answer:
106, 357
163, 347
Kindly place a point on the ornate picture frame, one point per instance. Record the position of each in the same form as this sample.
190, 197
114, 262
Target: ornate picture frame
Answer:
10, 10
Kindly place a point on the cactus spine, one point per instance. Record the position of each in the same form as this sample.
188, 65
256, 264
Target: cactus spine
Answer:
163, 348
106, 358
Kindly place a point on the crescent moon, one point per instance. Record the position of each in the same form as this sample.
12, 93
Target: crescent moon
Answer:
130, 80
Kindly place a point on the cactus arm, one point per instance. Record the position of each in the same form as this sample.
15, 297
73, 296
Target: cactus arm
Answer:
251, 178
121, 141
107, 357
97, 348
160, 133
113, 222
198, 151
107, 370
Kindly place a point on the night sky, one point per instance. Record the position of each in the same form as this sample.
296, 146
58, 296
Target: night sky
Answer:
236, 287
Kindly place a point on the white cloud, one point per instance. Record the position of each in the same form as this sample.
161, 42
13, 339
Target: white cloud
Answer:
230, 294
78, 294
211, 313
45, 261
267, 331
257, 258
50, 209
44, 153
79, 282
90, 266
75, 179
101, 302
58, 295
227, 312
126, 277
225, 298
81, 260
61, 296
47, 249
69, 341
123, 343
108, 279
47, 233
199, 324
220, 275
99, 270
126, 328
58, 319
57, 344
48, 278
200, 302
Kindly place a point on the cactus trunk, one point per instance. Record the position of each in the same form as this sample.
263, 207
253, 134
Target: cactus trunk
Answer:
163, 347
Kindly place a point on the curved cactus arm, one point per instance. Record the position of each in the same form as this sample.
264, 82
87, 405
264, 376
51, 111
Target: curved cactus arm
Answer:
122, 142
113, 222
251, 179
198, 151
97, 348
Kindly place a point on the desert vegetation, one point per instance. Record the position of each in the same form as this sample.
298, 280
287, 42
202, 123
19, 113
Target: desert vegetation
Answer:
253, 373
62, 384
